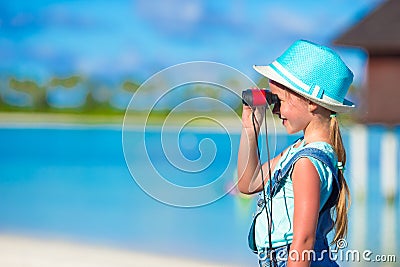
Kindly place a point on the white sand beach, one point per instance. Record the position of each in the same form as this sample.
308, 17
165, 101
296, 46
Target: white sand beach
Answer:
34, 252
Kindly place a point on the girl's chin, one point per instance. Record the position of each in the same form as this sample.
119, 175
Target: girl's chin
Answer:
290, 130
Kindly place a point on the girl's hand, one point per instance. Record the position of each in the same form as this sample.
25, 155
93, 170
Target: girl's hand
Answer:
247, 120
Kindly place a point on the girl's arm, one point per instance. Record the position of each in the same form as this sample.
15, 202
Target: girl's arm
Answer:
306, 186
249, 175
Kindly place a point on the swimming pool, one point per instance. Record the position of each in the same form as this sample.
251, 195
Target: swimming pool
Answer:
73, 182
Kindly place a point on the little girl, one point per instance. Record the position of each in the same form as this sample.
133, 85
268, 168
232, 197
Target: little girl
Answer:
292, 222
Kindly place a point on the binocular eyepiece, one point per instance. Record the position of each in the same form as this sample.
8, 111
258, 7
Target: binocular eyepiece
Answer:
259, 97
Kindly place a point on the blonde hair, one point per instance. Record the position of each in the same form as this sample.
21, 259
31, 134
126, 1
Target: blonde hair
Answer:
343, 204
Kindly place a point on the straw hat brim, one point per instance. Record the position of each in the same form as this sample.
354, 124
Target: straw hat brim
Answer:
271, 74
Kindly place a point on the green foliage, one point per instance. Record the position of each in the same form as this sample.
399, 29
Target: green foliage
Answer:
206, 90
37, 92
103, 107
27, 86
130, 86
68, 82
263, 83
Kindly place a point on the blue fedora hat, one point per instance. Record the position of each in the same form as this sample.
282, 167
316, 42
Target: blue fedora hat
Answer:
313, 71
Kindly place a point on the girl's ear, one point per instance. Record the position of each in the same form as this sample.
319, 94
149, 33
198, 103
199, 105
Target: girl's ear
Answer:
312, 106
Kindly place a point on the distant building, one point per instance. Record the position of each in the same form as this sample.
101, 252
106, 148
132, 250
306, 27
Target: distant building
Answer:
379, 34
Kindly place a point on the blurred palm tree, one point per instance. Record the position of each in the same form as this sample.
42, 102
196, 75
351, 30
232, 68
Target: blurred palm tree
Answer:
25, 94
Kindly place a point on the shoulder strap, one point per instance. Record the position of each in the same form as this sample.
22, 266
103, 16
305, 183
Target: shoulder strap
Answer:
311, 152
305, 152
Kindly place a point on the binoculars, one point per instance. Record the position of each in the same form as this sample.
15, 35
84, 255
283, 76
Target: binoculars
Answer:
259, 97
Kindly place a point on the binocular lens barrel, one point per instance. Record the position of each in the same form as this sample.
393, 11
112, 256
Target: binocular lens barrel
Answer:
258, 97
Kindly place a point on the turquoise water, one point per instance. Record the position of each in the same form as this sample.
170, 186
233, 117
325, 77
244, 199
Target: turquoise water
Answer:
73, 183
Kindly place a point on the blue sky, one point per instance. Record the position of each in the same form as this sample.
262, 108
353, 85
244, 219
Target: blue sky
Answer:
135, 39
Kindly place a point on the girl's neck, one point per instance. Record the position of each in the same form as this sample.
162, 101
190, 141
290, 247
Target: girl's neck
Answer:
317, 130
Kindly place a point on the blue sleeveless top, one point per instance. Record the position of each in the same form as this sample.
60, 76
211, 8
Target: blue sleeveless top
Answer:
283, 201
